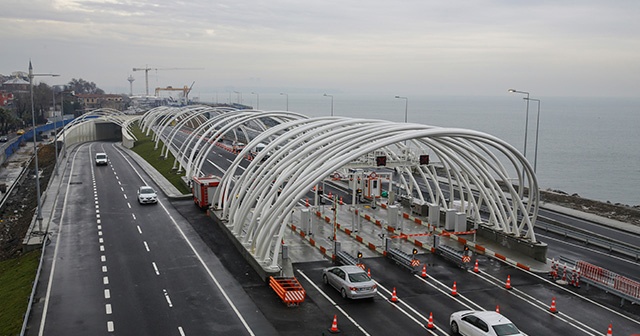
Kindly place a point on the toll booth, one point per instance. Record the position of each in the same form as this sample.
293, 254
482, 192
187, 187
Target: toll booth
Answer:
203, 189
372, 186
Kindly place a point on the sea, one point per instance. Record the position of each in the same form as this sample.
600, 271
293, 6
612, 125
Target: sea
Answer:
585, 145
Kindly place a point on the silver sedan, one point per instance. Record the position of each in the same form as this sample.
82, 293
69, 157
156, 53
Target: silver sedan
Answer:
351, 281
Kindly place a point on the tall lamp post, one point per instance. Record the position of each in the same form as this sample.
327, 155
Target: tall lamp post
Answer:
406, 106
331, 96
258, 100
287, 95
535, 156
526, 121
35, 145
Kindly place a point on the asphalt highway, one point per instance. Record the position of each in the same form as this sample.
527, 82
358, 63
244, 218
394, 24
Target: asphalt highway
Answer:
116, 267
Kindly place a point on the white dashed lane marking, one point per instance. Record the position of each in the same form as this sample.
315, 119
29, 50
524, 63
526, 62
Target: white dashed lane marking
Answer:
166, 296
155, 268
146, 246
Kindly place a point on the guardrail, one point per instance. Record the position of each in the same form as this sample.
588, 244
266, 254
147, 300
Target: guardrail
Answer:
589, 238
346, 259
403, 259
289, 290
457, 257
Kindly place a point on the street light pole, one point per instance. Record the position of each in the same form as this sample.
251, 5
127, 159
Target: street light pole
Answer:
535, 156
406, 106
526, 122
35, 146
331, 96
287, 95
258, 100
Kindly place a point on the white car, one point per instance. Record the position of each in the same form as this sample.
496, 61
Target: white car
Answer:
147, 195
351, 281
484, 323
101, 159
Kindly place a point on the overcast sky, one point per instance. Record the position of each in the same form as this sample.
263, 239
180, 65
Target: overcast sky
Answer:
428, 47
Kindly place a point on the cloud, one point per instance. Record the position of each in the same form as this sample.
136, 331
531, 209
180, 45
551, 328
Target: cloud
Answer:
348, 44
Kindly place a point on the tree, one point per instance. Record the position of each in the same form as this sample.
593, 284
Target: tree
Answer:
7, 121
81, 86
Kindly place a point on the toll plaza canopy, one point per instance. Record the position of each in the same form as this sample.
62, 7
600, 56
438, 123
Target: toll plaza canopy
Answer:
291, 154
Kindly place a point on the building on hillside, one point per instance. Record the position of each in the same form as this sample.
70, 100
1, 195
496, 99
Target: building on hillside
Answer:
90, 101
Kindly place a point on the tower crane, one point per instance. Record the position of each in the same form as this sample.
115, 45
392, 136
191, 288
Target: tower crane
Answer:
146, 74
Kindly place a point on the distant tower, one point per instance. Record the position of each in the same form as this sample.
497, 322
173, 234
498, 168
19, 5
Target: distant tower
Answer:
131, 79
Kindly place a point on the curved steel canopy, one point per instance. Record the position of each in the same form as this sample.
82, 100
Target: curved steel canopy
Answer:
301, 152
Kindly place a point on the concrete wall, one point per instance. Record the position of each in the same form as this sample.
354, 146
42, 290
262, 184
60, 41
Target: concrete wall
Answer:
538, 250
245, 254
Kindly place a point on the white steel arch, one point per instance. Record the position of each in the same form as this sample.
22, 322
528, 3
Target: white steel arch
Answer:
259, 202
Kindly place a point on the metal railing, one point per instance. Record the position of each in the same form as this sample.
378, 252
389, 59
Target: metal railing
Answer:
589, 238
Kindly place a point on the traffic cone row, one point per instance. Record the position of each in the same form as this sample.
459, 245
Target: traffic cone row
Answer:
424, 271
394, 297
507, 285
334, 326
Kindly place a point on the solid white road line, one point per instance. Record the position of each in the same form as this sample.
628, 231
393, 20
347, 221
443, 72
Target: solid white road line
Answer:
43, 319
538, 304
193, 249
333, 303
397, 306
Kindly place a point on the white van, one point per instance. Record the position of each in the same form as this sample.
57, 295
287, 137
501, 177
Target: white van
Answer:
101, 159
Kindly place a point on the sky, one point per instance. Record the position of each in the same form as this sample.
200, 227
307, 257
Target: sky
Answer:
566, 48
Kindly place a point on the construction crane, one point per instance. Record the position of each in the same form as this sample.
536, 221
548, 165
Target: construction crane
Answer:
146, 74
185, 91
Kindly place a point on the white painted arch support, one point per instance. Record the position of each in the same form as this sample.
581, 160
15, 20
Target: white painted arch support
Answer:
312, 149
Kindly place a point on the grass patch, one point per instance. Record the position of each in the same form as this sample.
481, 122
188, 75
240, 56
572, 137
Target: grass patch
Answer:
16, 277
145, 148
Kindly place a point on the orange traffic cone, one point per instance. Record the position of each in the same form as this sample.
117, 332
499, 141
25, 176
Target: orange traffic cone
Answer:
553, 305
368, 272
507, 285
609, 332
475, 267
424, 271
454, 289
498, 309
306, 203
430, 324
394, 297
341, 200
334, 326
